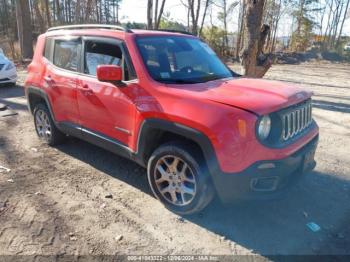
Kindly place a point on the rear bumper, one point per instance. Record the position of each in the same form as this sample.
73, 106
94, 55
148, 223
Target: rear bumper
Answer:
266, 179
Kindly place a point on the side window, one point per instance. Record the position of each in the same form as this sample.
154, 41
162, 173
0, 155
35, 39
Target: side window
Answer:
99, 53
48, 47
66, 54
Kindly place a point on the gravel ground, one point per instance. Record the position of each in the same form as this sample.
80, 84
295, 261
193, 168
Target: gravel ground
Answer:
53, 200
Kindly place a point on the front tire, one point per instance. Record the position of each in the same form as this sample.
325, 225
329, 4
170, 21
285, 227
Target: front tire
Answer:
45, 127
179, 179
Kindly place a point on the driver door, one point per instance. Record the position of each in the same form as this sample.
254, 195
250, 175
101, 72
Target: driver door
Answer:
106, 110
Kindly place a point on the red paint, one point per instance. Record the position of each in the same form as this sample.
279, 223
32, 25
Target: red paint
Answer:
109, 73
222, 110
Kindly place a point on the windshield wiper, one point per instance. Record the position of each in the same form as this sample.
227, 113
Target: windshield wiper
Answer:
177, 81
211, 78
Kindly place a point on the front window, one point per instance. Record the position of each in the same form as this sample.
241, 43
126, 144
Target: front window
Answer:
105, 53
173, 59
101, 54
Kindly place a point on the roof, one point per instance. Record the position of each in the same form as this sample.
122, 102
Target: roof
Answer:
100, 29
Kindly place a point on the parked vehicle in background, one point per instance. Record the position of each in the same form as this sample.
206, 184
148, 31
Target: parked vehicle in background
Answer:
167, 102
347, 47
8, 72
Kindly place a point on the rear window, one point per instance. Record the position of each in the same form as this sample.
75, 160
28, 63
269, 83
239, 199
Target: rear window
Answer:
66, 54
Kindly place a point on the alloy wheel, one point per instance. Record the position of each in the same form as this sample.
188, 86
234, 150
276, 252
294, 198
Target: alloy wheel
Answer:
175, 180
43, 125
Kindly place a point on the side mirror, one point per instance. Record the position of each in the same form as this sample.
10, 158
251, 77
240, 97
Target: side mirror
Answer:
109, 73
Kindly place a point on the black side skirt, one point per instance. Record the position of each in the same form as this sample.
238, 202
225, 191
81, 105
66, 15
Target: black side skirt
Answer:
97, 139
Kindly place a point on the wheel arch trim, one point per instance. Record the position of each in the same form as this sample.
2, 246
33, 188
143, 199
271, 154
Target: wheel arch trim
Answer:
32, 90
150, 125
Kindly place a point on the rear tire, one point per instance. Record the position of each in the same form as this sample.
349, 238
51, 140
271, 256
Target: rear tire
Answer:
45, 127
179, 178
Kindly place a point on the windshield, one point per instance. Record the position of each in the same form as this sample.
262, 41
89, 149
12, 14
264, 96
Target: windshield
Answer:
173, 59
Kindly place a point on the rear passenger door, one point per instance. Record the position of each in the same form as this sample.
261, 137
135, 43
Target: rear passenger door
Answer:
60, 77
107, 111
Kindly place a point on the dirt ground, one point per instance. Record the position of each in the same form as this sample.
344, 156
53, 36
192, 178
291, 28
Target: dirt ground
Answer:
53, 201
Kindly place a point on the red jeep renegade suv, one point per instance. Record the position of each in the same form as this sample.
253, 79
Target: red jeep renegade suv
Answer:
166, 101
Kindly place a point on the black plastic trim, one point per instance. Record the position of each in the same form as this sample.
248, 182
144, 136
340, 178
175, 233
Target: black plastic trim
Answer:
107, 143
70, 129
151, 125
287, 172
282, 144
96, 138
41, 93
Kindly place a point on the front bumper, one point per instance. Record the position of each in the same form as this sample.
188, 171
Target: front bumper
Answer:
8, 76
266, 179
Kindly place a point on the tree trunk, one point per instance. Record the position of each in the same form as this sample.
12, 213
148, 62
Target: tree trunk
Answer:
188, 19
77, 11
197, 15
150, 14
54, 11
39, 16
194, 14
48, 16
24, 25
88, 11
58, 11
241, 29
207, 3
336, 24
5, 23
225, 24
117, 12
300, 17
254, 62
342, 24
158, 15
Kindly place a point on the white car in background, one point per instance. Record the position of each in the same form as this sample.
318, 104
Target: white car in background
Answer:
8, 72
347, 47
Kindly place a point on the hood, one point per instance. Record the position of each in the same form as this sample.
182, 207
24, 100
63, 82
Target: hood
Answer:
3, 59
256, 95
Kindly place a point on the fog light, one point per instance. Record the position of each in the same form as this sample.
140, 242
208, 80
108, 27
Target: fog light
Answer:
264, 184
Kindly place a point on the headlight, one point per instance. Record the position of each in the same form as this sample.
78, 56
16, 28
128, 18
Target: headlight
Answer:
10, 66
264, 127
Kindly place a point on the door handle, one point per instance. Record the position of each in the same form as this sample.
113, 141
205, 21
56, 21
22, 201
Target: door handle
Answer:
86, 90
48, 79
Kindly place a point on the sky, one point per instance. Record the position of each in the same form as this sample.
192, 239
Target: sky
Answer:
135, 11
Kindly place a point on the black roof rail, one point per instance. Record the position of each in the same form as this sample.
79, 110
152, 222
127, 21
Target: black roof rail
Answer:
89, 26
173, 31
